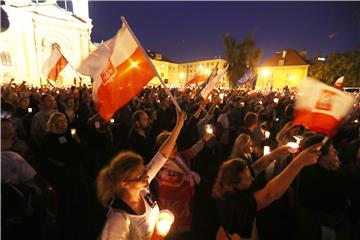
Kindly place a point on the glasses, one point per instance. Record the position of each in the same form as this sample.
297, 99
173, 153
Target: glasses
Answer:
140, 178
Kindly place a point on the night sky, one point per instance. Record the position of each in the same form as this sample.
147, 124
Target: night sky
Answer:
185, 31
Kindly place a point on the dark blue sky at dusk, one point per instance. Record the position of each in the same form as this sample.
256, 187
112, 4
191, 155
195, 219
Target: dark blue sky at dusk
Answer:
185, 31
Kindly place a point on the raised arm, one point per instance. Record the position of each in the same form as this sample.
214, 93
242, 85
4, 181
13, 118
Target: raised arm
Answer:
262, 163
278, 185
166, 148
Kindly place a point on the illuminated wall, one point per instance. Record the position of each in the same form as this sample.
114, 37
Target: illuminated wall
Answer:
178, 74
280, 76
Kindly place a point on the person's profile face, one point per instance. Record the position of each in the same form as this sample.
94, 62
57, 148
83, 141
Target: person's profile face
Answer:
246, 179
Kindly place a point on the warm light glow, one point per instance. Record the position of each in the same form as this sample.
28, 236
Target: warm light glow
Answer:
267, 134
261, 102
266, 150
134, 64
162, 65
112, 120
182, 75
222, 96
265, 72
209, 129
207, 71
165, 219
292, 78
73, 131
30, 110
276, 100
293, 146
356, 121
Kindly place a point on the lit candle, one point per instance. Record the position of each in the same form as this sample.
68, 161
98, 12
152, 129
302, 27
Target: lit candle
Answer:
30, 110
261, 102
112, 120
165, 219
266, 150
73, 131
267, 134
293, 146
209, 129
276, 119
276, 100
356, 121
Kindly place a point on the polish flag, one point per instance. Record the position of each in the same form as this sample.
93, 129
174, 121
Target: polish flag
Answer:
196, 79
120, 69
212, 83
321, 108
54, 65
339, 84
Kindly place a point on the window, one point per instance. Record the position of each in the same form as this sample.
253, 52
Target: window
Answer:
5, 59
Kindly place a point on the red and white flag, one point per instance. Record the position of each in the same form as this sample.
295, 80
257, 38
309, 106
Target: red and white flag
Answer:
196, 79
321, 108
120, 69
54, 65
212, 84
339, 84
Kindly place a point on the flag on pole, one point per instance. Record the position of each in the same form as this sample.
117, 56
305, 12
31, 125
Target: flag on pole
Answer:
321, 108
247, 77
212, 84
196, 79
339, 83
53, 65
120, 69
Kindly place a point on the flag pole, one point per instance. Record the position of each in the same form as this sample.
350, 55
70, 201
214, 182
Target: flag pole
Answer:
151, 64
69, 64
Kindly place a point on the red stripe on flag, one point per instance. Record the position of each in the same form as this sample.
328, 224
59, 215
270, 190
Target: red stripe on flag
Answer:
126, 82
317, 122
58, 67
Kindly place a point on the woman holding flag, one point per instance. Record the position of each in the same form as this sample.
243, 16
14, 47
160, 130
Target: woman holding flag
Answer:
122, 186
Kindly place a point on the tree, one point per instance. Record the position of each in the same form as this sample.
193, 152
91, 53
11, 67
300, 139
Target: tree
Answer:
337, 64
240, 56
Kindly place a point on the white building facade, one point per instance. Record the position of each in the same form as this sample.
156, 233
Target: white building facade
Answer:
32, 29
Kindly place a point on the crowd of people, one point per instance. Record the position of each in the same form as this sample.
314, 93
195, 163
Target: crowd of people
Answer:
221, 166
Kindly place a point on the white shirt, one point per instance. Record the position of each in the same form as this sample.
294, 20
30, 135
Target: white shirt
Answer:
122, 225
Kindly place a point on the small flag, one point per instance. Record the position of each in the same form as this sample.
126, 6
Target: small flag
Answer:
196, 79
120, 69
321, 108
53, 65
212, 84
247, 77
339, 83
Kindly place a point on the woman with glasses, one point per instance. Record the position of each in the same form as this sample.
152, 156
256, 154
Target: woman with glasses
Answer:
122, 186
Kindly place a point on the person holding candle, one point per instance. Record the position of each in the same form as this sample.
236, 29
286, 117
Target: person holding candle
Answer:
122, 186
238, 202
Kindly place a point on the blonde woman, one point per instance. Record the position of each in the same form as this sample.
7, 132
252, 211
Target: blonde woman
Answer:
122, 186
243, 149
237, 202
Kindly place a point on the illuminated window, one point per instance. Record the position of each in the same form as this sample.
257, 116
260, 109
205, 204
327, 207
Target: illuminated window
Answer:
5, 59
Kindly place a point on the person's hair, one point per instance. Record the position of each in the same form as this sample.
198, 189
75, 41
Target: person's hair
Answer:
250, 119
67, 98
228, 177
314, 139
238, 145
51, 122
136, 117
46, 95
119, 169
161, 138
226, 108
